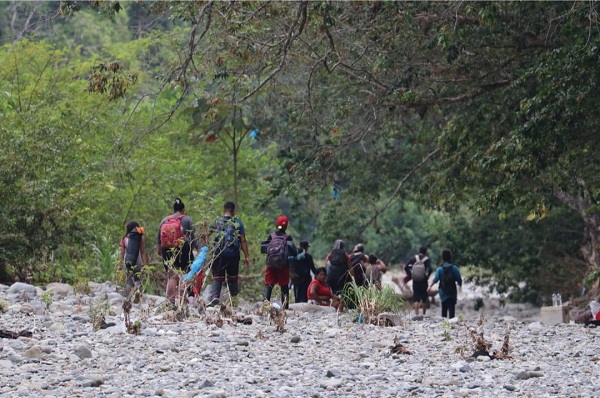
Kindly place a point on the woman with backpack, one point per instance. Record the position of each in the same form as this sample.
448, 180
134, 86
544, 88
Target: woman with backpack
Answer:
339, 268
448, 275
175, 241
133, 256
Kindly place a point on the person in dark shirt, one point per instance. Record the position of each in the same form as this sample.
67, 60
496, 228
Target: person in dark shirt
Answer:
300, 269
420, 295
279, 275
230, 239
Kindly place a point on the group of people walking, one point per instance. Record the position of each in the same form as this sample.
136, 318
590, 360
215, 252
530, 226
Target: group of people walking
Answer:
286, 265
448, 275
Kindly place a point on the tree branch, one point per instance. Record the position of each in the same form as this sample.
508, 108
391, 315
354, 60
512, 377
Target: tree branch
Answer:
291, 36
396, 191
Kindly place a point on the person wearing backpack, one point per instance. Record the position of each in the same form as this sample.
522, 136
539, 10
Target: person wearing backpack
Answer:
133, 256
358, 261
230, 237
176, 238
448, 276
338, 266
419, 269
300, 269
279, 248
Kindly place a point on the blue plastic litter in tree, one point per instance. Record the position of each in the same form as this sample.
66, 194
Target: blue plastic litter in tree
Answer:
336, 193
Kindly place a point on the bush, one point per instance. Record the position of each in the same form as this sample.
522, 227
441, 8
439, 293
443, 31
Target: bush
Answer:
370, 302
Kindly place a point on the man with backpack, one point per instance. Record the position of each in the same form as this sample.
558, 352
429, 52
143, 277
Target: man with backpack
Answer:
176, 238
230, 237
448, 275
419, 269
279, 248
300, 269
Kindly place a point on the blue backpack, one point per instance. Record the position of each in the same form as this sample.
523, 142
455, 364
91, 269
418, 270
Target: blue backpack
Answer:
227, 240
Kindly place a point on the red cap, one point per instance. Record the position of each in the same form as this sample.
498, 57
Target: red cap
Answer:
282, 221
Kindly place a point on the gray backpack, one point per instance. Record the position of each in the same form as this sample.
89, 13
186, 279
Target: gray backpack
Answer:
419, 271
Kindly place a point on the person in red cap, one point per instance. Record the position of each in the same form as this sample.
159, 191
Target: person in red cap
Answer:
279, 248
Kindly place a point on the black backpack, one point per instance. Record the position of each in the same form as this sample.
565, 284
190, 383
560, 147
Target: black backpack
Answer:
337, 268
447, 281
277, 251
132, 251
338, 258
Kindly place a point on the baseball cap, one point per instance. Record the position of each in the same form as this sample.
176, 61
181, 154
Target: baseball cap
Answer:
282, 222
304, 243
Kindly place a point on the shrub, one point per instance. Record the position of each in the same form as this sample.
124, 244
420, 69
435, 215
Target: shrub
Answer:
370, 302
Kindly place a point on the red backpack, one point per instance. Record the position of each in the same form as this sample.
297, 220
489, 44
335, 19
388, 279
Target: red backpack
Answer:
171, 233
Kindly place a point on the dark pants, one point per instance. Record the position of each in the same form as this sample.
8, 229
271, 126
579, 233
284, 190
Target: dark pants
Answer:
179, 259
133, 272
225, 268
300, 291
448, 307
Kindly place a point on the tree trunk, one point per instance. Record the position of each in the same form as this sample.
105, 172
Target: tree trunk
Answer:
589, 249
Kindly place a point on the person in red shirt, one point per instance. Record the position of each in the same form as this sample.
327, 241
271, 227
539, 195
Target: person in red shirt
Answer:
320, 294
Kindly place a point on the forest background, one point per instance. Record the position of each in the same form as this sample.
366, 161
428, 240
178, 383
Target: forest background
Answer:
467, 125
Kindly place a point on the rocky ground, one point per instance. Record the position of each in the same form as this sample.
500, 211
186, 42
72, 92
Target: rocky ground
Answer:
320, 354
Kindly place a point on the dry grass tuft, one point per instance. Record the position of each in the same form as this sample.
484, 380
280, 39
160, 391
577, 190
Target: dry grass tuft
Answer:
482, 347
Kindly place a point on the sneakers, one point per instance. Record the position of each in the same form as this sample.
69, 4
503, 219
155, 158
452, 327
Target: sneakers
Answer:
213, 302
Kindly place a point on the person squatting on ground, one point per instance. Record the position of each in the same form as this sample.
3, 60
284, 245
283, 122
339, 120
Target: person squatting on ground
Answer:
279, 248
419, 269
300, 269
320, 294
339, 269
176, 239
230, 238
448, 275
133, 257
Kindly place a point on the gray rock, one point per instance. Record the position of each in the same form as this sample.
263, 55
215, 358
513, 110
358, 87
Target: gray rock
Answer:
524, 375
83, 351
34, 352
295, 339
333, 373
19, 287
61, 290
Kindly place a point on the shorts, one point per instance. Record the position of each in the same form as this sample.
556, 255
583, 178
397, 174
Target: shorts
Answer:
420, 291
277, 276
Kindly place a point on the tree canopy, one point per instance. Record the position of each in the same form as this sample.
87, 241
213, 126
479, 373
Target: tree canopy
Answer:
395, 124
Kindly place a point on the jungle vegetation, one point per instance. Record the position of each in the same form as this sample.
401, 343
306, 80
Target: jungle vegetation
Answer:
468, 125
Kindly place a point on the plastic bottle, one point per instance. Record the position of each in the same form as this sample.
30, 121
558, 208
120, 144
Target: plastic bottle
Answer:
554, 300
558, 300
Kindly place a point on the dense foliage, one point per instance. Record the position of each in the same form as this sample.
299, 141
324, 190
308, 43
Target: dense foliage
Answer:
470, 125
